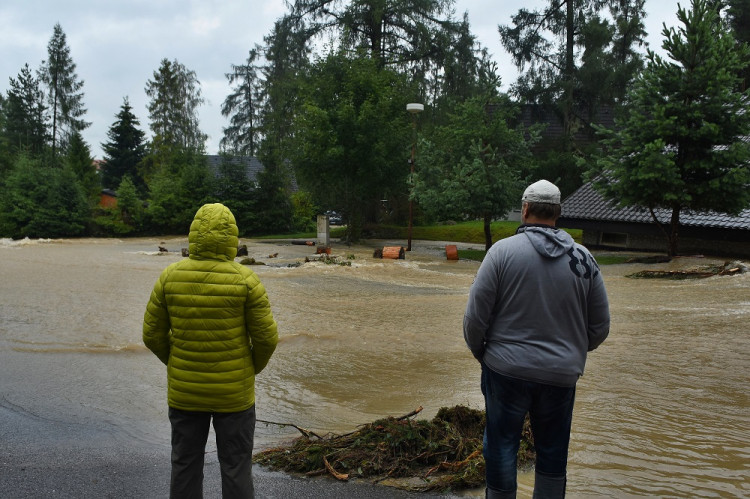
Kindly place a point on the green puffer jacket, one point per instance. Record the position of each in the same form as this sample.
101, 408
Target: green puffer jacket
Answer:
209, 320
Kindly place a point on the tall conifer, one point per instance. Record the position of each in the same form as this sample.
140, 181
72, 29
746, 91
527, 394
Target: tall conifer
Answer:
64, 90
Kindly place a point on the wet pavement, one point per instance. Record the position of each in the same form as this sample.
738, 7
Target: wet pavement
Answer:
43, 455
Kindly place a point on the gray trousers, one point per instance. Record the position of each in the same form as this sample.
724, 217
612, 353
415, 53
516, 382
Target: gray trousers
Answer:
234, 446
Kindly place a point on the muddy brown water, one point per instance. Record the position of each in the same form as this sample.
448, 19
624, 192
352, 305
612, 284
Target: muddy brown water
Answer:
662, 409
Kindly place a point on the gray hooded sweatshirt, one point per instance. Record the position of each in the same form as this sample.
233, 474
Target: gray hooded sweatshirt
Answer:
537, 306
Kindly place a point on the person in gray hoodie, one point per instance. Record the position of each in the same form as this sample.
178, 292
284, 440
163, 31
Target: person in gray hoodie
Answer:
537, 306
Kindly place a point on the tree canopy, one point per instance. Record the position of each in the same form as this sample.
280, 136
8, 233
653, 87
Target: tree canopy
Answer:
473, 165
175, 95
350, 142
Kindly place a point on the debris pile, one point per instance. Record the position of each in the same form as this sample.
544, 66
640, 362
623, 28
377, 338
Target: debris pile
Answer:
445, 453
727, 268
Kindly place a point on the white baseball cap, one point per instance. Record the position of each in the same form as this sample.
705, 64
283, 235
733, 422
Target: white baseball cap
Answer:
542, 191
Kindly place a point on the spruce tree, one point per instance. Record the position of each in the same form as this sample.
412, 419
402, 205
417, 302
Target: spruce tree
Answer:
25, 115
175, 95
79, 160
124, 151
64, 90
243, 108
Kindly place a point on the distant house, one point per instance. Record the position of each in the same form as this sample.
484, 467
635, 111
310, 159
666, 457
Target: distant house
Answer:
252, 166
553, 132
108, 198
98, 164
605, 225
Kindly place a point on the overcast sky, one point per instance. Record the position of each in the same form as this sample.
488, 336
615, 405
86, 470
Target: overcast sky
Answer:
117, 45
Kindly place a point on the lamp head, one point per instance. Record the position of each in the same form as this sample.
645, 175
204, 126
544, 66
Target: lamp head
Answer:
415, 107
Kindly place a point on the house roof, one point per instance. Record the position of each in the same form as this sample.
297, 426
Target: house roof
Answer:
252, 165
588, 204
533, 114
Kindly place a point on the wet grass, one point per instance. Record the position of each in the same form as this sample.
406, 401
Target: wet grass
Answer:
471, 254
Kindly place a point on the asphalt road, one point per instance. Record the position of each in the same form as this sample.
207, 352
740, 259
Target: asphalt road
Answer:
48, 457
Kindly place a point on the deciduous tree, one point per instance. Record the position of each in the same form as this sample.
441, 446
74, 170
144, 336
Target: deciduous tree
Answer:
473, 165
351, 135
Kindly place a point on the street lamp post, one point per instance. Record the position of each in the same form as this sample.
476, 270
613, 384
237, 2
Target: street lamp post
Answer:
414, 108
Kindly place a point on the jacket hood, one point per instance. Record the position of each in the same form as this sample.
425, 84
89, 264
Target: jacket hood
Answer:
548, 241
213, 234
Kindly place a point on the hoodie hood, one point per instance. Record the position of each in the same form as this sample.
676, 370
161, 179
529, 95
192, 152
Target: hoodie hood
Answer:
213, 234
548, 241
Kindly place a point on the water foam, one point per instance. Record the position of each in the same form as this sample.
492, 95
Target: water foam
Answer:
7, 242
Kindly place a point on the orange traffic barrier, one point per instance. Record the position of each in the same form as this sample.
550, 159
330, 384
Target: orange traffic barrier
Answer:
451, 252
393, 252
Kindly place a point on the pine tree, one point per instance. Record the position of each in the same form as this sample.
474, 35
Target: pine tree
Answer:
125, 150
64, 91
682, 144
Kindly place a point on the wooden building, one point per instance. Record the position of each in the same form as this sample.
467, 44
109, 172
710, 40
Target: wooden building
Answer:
605, 225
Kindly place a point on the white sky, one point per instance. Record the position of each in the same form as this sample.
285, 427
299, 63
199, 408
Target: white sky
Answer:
118, 44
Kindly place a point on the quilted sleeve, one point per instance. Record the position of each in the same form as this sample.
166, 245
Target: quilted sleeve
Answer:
156, 325
261, 326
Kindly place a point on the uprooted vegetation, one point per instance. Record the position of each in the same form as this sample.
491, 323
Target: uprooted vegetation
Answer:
725, 269
421, 455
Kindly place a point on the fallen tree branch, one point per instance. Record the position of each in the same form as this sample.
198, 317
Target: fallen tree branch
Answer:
456, 465
305, 432
338, 476
412, 413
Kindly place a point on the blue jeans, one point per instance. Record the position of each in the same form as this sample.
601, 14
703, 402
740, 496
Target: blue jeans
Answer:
507, 400
234, 447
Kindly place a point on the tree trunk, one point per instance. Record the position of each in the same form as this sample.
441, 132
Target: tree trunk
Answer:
569, 75
674, 232
487, 232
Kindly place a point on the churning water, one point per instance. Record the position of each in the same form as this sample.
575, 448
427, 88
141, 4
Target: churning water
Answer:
662, 409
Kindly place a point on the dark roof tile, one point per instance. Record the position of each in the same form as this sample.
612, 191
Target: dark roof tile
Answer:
587, 204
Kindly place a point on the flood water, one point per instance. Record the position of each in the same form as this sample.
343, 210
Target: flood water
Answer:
662, 410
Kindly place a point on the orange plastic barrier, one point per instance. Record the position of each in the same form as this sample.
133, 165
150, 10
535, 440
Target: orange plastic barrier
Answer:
451, 252
394, 252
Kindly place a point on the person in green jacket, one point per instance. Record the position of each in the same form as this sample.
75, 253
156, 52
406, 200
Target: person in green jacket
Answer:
210, 322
